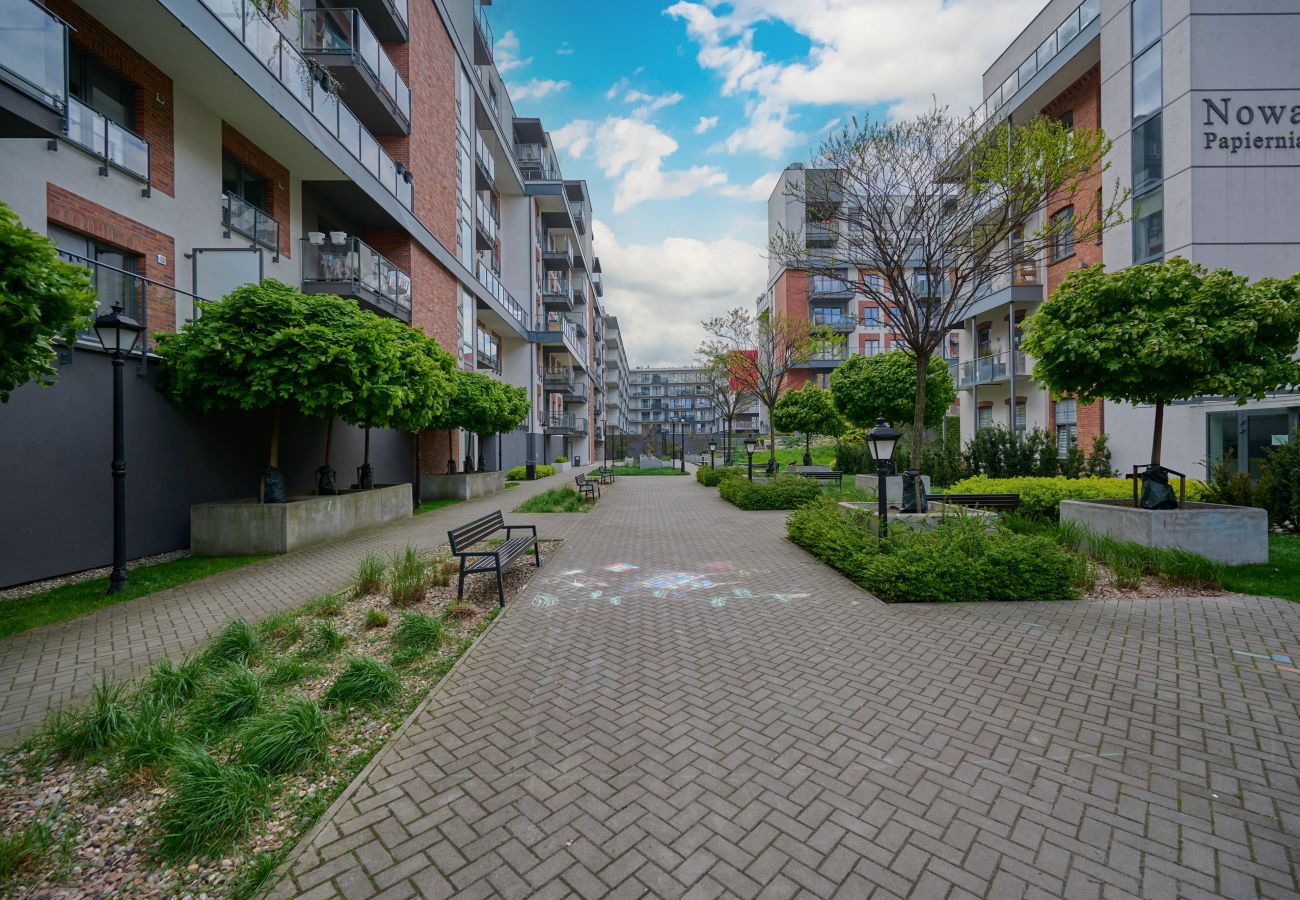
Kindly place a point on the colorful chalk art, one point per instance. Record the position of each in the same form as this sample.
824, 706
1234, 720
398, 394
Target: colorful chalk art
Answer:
722, 582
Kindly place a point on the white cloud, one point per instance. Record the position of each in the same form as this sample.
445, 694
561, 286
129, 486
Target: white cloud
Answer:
564, 49
661, 291
758, 189
506, 53
574, 137
651, 102
535, 89
632, 151
705, 123
901, 53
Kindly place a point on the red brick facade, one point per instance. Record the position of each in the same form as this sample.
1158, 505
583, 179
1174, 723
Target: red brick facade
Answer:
428, 63
76, 213
153, 89
240, 148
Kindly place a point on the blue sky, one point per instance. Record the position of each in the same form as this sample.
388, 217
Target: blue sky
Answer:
680, 113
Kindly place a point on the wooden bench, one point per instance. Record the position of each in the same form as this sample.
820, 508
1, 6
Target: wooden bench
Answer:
606, 476
588, 489
496, 559
979, 501
818, 474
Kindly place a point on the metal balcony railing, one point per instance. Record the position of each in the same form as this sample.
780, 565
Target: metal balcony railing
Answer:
537, 162
565, 422
34, 52
484, 41
357, 264
483, 156
486, 218
489, 280
558, 249
557, 376
836, 321
991, 369
828, 286
114, 145
242, 217
345, 32
245, 21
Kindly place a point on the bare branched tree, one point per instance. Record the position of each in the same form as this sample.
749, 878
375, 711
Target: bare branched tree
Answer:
936, 209
724, 396
759, 350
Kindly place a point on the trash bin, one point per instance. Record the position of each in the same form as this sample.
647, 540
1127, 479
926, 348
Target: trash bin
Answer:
577, 461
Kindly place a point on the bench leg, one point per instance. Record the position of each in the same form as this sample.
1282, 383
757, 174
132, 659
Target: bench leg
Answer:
460, 589
537, 554
501, 586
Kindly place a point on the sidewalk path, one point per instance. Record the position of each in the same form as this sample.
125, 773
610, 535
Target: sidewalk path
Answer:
685, 704
54, 664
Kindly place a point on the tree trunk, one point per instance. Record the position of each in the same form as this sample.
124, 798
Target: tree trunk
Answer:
329, 440
366, 460
918, 412
275, 436
1158, 433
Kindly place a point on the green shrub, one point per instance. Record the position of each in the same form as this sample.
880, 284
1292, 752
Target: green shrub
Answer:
363, 682
519, 473
238, 642
782, 492
853, 458
1279, 483
81, 733
149, 738
370, 574
290, 736
713, 477
560, 459
1099, 463
210, 806
234, 694
408, 577
997, 453
564, 499
1231, 487
1041, 498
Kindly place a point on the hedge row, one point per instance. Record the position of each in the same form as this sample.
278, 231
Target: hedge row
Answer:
1040, 498
782, 492
519, 473
713, 477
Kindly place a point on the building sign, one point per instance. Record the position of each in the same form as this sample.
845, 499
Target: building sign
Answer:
1248, 126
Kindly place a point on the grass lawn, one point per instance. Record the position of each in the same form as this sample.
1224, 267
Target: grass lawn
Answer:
70, 600
821, 456
1279, 577
637, 470
555, 500
429, 505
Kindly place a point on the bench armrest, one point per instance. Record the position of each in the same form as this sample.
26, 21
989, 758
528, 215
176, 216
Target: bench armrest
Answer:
492, 552
510, 528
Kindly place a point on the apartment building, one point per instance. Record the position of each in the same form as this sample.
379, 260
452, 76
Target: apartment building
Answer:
618, 390
668, 398
1200, 99
179, 148
857, 322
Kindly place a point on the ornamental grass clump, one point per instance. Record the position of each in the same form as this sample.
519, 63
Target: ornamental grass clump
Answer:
370, 575
81, 733
324, 639
363, 682
418, 633
149, 738
238, 642
408, 577
170, 685
292, 735
233, 695
209, 805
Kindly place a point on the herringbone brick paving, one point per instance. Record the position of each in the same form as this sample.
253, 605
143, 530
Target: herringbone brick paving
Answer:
731, 718
59, 663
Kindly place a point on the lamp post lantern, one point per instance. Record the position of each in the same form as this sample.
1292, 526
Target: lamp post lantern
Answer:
713, 446
749, 451
118, 333
881, 440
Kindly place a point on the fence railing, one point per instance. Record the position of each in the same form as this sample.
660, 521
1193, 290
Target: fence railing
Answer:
357, 262
537, 162
344, 31
991, 369
489, 280
277, 54
34, 52
242, 217
118, 147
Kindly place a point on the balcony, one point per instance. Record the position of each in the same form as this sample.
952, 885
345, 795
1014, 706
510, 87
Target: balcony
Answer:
108, 142
483, 40
598, 283
558, 379
556, 290
1023, 284
580, 325
485, 166
558, 253
513, 307
341, 41
353, 269
558, 330
993, 369
834, 320
241, 217
388, 18
565, 423
830, 288
576, 392
821, 234
537, 162
33, 71
579, 283
276, 53
485, 220
487, 354
579, 218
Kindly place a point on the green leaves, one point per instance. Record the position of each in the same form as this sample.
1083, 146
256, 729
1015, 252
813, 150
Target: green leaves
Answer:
808, 410
865, 387
41, 298
483, 405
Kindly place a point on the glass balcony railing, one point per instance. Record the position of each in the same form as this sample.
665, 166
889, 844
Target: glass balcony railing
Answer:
557, 376
556, 285
242, 217
34, 52
484, 157
355, 262
243, 19
486, 218
991, 369
1079, 18
558, 248
489, 280
833, 319
537, 162
345, 32
118, 147
824, 284
566, 421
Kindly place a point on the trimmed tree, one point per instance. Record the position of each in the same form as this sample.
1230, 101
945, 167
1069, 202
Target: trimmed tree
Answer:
1163, 332
809, 410
42, 298
865, 387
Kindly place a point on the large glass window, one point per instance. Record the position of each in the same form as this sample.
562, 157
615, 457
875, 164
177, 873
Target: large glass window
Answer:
984, 417
1146, 24
1147, 91
1067, 429
112, 269
871, 315
100, 88
1063, 234
240, 181
1020, 416
870, 347
1148, 154
1149, 226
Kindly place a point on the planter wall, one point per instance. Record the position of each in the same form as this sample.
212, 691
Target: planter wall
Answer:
1233, 535
893, 486
246, 526
462, 486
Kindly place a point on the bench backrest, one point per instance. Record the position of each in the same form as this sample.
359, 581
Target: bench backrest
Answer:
471, 533
580, 480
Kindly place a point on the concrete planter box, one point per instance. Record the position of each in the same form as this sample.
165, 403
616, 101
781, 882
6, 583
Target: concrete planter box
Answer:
461, 486
932, 518
560, 467
1233, 535
893, 486
247, 527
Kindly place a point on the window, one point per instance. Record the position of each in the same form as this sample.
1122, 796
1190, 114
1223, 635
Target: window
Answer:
112, 269
1146, 24
874, 282
871, 347
1020, 415
1063, 234
1067, 120
240, 181
1148, 93
100, 88
984, 417
1148, 154
1066, 425
871, 315
1149, 226
984, 340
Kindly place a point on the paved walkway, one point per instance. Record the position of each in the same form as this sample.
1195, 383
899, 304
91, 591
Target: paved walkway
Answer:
58, 663
683, 704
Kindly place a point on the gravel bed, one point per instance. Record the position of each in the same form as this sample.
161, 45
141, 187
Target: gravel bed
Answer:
104, 827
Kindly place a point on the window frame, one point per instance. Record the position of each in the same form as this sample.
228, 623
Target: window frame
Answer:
1058, 250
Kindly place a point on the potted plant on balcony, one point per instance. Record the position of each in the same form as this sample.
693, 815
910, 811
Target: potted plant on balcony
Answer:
1154, 334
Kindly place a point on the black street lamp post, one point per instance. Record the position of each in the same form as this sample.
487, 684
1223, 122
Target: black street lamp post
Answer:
118, 333
713, 446
881, 440
672, 432
749, 451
